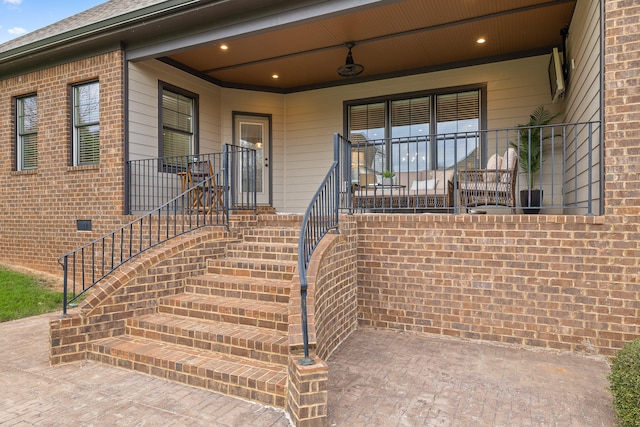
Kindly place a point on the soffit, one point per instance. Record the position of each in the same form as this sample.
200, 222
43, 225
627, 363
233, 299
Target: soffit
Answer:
397, 38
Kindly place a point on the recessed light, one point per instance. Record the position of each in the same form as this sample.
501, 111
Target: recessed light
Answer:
275, 76
481, 40
224, 47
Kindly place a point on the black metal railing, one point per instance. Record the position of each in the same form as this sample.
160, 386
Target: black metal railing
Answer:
204, 201
454, 171
153, 182
321, 217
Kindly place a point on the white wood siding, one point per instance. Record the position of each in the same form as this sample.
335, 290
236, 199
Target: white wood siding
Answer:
582, 101
514, 89
143, 107
303, 123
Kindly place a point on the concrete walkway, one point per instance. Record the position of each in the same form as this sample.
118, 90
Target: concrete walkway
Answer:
377, 378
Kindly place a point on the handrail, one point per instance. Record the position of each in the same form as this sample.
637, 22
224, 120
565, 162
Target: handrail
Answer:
205, 203
426, 170
88, 265
320, 217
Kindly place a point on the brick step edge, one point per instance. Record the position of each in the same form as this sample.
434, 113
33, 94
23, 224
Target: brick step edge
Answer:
256, 381
265, 345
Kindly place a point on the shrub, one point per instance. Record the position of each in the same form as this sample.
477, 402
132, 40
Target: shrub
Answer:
625, 384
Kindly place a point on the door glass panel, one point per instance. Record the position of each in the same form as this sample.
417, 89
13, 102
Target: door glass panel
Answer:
252, 136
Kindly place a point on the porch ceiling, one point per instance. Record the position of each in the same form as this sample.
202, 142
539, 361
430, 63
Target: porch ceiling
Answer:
399, 37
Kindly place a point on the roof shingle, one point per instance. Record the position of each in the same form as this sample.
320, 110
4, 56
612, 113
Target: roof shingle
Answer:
101, 12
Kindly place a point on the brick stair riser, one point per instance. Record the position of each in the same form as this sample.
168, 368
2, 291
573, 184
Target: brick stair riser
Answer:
268, 387
228, 313
291, 221
272, 239
260, 290
255, 269
257, 347
262, 255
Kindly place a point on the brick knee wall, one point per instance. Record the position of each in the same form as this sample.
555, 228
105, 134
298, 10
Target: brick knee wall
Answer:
562, 282
335, 289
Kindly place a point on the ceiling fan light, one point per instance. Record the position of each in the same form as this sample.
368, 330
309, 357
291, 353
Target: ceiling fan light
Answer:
350, 68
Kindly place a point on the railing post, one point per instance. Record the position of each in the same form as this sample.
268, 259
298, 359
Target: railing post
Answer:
127, 189
336, 184
590, 172
225, 181
254, 181
65, 269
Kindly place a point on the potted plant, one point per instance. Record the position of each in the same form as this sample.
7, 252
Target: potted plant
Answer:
529, 147
387, 177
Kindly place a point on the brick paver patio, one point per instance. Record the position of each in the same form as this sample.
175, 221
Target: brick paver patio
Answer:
377, 378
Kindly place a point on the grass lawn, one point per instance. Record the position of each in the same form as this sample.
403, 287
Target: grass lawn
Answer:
24, 295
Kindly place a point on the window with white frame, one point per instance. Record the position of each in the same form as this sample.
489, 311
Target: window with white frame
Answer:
86, 124
178, 139
417, 132
27, 133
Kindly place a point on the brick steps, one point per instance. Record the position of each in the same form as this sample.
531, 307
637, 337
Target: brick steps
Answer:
264, 251
273, 270
255, 343
227, 330
231, 310
245, 378
272, 235
239, 287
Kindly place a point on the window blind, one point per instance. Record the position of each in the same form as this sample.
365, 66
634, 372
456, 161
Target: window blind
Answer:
86, 118
27, 135
177, 128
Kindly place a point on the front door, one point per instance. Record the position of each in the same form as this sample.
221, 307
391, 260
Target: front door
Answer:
254, 131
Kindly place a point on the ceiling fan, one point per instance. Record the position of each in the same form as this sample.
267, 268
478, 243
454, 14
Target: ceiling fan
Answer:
350, 68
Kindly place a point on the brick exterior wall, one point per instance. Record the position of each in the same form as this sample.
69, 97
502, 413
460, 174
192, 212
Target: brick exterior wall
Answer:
39, 209
563, 282
622, 112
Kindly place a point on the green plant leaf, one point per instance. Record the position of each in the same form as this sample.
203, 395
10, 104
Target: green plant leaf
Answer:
530, 138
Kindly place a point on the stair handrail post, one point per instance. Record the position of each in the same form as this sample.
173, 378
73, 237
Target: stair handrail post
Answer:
325, 218
65, 281
254, 181
225, 181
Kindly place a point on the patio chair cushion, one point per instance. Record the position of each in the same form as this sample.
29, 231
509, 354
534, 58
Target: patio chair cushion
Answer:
494, 163
426, 184
443, 177
509, 160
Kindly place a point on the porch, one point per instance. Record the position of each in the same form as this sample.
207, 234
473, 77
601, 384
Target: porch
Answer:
484, 171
